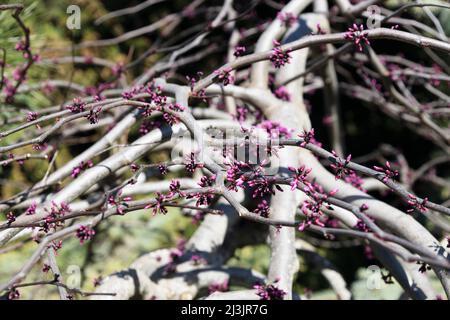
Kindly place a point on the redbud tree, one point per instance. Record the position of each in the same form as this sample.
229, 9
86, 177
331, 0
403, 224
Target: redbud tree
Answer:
304, 127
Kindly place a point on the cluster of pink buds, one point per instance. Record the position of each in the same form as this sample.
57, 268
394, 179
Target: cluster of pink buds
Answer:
46, 268
279, 57
129, 94
171, 118
158, 205
93, 115
282, 93
56, 245
241, 113
13, 294
134, 167
239, 51
119, 202
218, 287
275, 129
307, 136
193, 80
157, 100
163, 169
415, 203
287, 18
81, 167
39, 146
357, 35
203, 198
312, 209
360, 225
31, 116
263, 209
21, 46
191, 163
300, 175
85, 233
56, 211
224, 76
207, 181
156, 95
77, 106
147, 126
389, 173
354, 180
269, 291
97, 91
31, 209
235, 174
263, 187
10, 217
59, 210
340, 167
175, 189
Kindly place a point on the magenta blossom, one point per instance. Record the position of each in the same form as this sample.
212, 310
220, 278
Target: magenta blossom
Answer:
93, 115
81, 167
218, 287
287, 18
10, 217
31, 209
263, 209
308, 137
158, 205
77, 106
269, 291
357, 35
300, 175
416, 203
275, 129
31, 116
239, 51
13, 294
340, 167
388, 172
282, 93
224, 76
85, 233
191, 163
163, 169
279, 57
